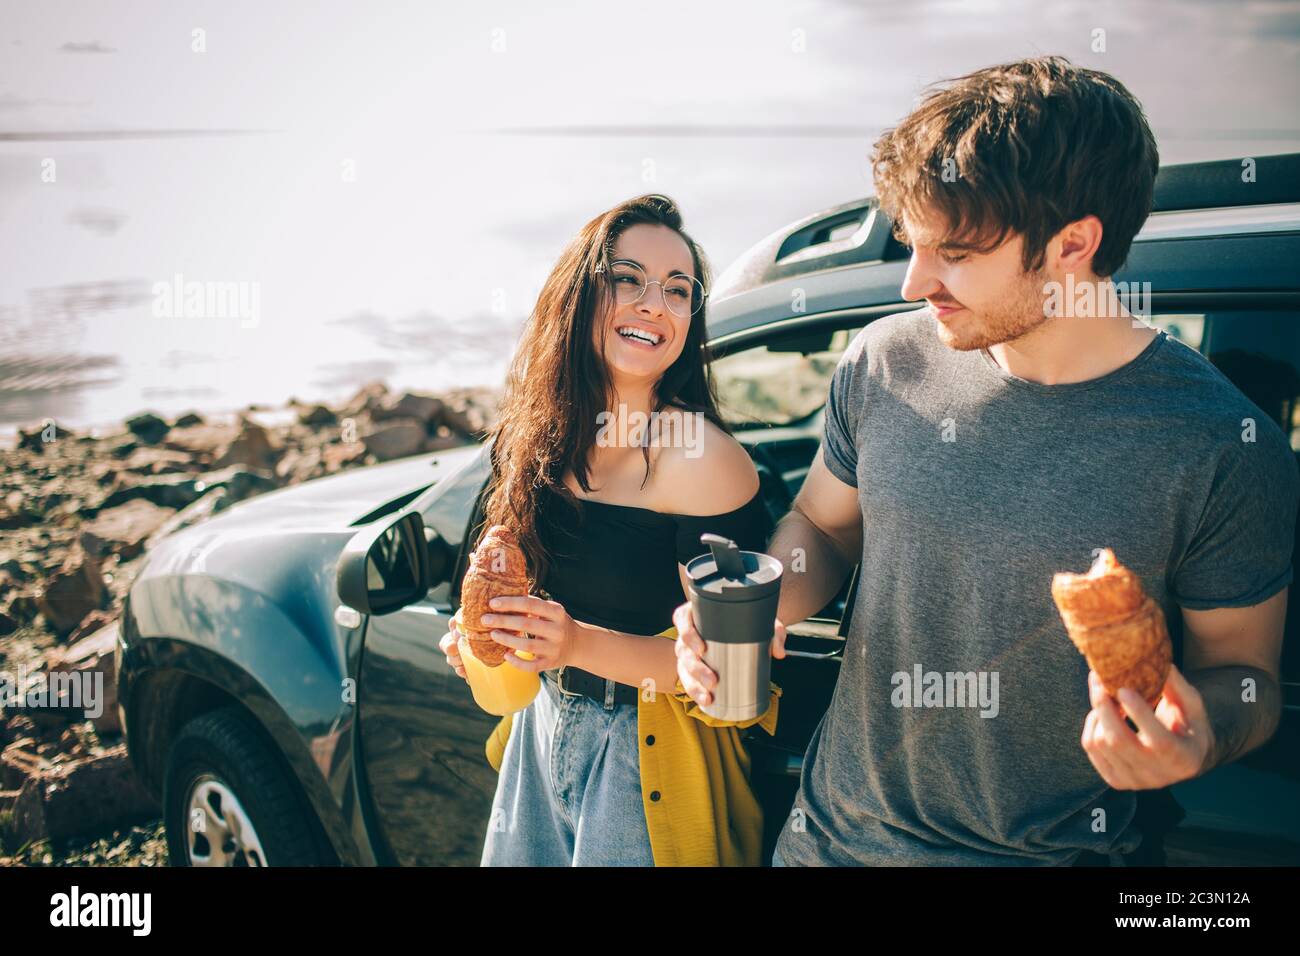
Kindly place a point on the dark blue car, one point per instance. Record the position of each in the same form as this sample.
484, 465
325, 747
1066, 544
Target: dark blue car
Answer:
280, 680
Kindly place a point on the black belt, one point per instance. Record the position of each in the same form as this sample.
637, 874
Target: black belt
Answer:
576, 682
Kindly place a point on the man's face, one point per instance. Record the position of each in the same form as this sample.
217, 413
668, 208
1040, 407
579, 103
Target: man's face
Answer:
978, 299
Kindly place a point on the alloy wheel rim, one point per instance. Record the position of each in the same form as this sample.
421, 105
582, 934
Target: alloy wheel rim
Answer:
218, 831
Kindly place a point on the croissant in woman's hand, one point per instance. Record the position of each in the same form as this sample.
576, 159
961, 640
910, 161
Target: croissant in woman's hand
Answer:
496, 568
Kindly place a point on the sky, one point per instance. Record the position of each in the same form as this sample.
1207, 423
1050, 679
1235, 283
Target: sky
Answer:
391, 182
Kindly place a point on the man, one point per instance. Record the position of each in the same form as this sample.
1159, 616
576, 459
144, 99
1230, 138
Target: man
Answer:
976, 447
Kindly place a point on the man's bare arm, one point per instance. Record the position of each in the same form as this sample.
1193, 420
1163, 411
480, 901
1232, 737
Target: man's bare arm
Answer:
1232, 657
819, 542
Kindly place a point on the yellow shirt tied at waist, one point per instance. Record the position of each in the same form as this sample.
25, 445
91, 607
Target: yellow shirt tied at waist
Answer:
699, 807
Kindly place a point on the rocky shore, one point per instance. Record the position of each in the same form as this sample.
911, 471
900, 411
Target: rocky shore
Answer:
77, 513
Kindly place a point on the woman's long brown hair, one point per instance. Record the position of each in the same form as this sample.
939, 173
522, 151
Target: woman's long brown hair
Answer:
557, 384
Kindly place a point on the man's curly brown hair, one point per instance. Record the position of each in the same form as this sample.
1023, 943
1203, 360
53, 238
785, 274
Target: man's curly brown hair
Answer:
1027, 147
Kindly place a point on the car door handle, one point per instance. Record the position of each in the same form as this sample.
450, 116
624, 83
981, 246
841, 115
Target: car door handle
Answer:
816, 630
836, 654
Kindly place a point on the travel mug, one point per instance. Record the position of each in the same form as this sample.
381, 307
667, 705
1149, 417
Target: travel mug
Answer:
734, 596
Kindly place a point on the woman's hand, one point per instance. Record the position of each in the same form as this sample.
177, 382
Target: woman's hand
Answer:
554, 635
448, 646
696, 677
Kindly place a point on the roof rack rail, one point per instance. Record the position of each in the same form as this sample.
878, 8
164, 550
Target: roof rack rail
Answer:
846, 234
857, 232
1248, 181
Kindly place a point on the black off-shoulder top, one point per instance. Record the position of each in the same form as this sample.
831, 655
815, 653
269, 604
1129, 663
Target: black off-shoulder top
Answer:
616, 565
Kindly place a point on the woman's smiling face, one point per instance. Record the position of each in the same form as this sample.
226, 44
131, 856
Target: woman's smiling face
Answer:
661, 254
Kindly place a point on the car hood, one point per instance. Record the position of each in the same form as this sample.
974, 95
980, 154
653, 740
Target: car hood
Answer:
318, 516
341, 500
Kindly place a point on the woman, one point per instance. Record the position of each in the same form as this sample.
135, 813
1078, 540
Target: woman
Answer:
607, 513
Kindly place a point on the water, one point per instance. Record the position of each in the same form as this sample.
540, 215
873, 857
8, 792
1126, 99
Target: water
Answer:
396, 186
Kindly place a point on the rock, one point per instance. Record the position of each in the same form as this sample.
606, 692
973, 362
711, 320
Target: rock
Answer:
122, 447
340, 455
298, 466
92, 655
123, 530
19, 761
39, 437
395, 439
11, 518
92, 623
317, 415
19, 726
201, 440
179, 491
23, 607
72, 744
366, 400
166, 491
188, 419
72, 592
81, 797
252, 447
157, 461
98, 642
423, 408
103, 472
239, 483
148, 427
461, 420
443, 440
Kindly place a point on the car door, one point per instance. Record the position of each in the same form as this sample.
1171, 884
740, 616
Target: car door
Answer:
422, 737
1245, 812
1242, 813
772, 385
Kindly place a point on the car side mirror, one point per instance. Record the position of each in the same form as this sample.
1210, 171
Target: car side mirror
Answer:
383, 569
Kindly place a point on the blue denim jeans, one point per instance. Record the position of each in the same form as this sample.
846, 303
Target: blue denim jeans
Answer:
569, 792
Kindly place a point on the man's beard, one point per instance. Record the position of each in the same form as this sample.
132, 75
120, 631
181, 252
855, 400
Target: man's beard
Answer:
1021, 314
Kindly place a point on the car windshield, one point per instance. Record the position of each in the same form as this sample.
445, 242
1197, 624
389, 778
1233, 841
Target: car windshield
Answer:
781, 381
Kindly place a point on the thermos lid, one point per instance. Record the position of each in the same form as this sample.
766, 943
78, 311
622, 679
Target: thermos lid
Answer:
728, 574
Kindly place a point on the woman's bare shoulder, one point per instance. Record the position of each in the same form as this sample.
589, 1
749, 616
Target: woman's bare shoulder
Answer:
706, 472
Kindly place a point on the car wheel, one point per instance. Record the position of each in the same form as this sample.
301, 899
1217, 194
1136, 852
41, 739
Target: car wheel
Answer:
227, 800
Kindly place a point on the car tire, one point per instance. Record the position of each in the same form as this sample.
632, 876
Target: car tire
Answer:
225, 777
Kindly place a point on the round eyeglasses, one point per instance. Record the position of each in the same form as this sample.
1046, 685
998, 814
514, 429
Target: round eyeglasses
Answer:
683, 295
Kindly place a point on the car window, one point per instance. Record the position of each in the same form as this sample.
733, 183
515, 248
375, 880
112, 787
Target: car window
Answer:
1259, 351
782, 380
448, 510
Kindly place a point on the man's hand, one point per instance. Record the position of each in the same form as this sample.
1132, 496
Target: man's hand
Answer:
698, 679
1173, 742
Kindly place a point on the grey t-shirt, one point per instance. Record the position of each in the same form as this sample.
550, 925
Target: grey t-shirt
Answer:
976, 486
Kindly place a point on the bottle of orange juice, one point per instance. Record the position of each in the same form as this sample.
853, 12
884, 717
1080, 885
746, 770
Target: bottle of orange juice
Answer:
499, 690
